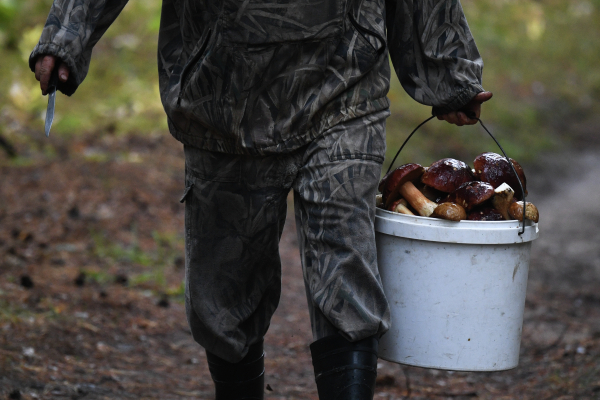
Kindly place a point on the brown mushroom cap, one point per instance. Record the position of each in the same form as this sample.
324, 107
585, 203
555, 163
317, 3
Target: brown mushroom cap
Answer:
485, 214
447, 175
494, 169
392, 181
450, 211
531, 212
387, 176
471, 194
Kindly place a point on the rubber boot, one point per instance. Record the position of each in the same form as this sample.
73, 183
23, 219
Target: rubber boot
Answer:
345, 370
244, 380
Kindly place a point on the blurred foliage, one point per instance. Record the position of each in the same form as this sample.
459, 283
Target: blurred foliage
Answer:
120, 94
541, 63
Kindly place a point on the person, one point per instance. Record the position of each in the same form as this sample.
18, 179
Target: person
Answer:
269, 96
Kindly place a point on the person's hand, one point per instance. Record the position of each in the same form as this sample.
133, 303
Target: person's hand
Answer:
44, 66
460, 118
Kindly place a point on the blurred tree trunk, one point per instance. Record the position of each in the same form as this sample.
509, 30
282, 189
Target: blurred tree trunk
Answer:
8, 148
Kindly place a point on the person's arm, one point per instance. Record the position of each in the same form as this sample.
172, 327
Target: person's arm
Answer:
435, 57
72, 29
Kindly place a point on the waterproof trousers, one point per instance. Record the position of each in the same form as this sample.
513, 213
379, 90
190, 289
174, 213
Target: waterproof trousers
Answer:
235, 209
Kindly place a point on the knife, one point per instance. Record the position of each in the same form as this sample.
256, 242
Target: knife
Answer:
51, 100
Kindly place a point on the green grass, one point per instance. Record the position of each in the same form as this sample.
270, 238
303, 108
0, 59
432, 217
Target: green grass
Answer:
151, 265
540, 61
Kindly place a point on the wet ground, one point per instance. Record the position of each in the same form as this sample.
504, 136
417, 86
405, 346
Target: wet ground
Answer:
108, 208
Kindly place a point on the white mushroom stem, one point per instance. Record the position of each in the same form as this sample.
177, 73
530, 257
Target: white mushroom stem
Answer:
503, 196
401, 207
417, 200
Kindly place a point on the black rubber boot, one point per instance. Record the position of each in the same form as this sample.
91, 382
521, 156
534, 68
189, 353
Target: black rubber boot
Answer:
244, 380
345, 370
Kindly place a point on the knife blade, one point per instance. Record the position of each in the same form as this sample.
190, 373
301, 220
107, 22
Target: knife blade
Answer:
51, 100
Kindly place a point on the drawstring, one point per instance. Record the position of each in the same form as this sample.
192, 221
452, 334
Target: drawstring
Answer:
471, 115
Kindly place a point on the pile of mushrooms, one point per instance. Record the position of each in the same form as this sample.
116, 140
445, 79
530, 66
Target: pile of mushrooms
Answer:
450, 189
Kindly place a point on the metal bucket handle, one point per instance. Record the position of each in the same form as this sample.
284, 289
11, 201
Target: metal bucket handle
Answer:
472, 115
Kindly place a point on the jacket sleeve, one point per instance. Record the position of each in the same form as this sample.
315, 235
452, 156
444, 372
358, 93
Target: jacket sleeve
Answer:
433, 52
72, 29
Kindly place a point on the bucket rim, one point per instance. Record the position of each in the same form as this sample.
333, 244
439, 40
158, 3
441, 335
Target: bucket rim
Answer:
439, 230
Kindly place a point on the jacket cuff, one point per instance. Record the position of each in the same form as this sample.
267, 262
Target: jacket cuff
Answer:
70, 86
460, 99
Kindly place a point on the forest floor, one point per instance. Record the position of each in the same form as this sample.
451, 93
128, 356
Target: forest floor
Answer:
91, 266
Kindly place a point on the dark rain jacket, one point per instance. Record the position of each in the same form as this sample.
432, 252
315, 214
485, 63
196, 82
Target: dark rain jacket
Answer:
268, 76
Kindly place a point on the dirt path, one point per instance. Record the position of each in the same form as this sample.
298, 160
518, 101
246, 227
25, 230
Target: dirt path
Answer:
567, 254
109, 208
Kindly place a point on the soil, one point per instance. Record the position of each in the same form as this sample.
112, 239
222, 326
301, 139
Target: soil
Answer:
91, 270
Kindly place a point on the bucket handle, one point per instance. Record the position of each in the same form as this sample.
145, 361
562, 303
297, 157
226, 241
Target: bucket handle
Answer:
472, 115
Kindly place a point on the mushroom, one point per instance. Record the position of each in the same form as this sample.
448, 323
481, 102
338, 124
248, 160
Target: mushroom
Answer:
401, 207
415, 198
495, 169
471, 194
485, 214
503, 198
379, 200
516, 211
432, 194
447, 175
450, 211
391, 182
399, 183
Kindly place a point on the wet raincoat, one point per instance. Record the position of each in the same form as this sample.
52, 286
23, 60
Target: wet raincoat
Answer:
269, 76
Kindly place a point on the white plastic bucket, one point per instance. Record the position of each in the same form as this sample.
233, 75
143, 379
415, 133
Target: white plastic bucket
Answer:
456, 290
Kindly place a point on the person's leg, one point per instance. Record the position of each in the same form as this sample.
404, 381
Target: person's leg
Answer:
244, 379
335, 212
235, 211
345, 370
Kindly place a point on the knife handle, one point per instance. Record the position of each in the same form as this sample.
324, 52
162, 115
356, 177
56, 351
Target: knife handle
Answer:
53, 82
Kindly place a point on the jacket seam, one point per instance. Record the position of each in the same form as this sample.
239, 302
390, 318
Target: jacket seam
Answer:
311, 133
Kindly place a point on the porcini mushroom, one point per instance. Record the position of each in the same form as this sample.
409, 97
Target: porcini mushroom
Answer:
379, 200
450, 211
401, 207
432, 194
399, 184
516, 211
391, 182
415, 198
503, 198
471, 194
447, 175
494, 169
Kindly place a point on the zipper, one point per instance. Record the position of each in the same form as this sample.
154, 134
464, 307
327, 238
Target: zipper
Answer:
191, 63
